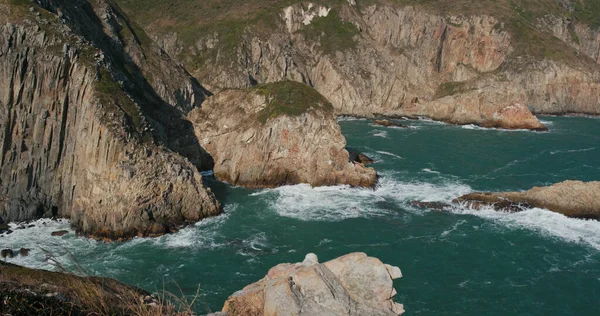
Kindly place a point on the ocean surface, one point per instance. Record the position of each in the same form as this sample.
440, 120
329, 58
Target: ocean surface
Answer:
463, 262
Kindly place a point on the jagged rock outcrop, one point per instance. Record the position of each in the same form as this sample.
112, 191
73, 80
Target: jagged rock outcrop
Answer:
354, 284
83, 135
276, 134
383, 58
571, 198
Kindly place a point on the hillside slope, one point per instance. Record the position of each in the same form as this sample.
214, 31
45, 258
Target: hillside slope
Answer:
452, 60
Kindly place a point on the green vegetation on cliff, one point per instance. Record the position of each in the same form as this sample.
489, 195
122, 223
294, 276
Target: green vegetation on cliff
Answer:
290, 98
192, 20
333, 33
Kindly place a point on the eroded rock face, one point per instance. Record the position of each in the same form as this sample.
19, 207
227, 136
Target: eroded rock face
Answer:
255, 144
76, 142
354, 284
408, 62
571, 198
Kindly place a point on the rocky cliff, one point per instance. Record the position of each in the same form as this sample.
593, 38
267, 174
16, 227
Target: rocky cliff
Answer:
489, 63
92, 123
354, 284
276, 134
571, 198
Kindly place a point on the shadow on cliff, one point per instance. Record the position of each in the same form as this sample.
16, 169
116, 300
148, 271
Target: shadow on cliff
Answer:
169, 127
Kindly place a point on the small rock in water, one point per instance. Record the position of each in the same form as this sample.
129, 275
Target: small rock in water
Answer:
388, 123
60, 233
438, 206
7, 253
24, 252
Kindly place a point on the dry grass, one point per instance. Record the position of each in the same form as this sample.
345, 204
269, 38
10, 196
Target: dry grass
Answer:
32, 291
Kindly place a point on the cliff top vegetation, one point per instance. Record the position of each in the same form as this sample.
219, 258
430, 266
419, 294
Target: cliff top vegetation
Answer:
289, 98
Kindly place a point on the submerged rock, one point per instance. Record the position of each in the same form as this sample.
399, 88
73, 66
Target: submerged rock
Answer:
24, 252
571, 198
354, 284
388, 123
60, 233
438, 206
7, 253
276, 134
359, 157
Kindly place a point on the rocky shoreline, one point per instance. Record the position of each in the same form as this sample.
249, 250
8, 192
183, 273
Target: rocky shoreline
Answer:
575, 199
353, 284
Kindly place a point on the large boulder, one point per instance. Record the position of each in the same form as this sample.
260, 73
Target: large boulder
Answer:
572, 198
354, 284
276, 134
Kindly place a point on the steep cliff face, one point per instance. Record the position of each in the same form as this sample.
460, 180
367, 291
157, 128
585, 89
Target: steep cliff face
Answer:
384, 58
76, 142
276, 134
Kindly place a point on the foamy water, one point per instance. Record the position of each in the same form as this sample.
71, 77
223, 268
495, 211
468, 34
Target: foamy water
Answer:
460, 253
545, 222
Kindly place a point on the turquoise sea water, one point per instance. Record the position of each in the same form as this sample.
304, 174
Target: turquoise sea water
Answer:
463, 262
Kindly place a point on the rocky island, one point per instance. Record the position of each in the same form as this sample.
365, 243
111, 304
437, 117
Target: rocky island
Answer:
276, 134
575, 199
354, 284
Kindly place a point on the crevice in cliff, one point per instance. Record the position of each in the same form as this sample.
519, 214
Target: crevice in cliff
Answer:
440, 50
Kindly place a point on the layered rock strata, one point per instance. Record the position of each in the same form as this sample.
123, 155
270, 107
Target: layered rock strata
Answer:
354, 284
83, 134
572, 198
276, 134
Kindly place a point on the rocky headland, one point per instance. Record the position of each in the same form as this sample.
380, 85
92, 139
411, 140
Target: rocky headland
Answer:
354, 284
575, 199
93, 128
276, 134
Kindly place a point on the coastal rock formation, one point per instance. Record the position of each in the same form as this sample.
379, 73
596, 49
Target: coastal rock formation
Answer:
464, 64
276, 134
388, 123
84, 135
572, 198
354, 284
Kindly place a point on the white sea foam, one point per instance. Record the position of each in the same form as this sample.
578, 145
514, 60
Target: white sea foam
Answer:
342, 202
389, 154
547, 223
568, 151
428, 120
453, 228
350, 118
479, 128
431, 171
382, 134
39, 237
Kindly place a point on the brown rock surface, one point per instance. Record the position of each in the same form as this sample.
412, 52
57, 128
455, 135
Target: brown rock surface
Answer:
572, 198
87, 132
354, 284
276, 134
404, 60
388, 123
